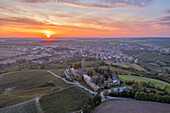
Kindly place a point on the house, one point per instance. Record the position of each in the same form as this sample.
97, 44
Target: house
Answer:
114, 80
88, 80
76, 72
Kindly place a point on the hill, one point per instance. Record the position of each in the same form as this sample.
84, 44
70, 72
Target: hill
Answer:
66, 100
24, 85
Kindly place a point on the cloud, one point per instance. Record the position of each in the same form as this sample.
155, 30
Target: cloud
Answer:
168, 11
20, 21
165, 20
96, 3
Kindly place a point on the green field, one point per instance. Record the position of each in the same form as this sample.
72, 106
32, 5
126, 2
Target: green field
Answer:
64, 101
30, 107
155, 81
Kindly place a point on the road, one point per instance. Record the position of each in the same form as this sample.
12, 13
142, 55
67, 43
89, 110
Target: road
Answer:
18, 104
92, 92
74, 83
109, 97
66, 73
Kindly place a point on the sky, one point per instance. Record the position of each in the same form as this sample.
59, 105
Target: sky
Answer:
84, 18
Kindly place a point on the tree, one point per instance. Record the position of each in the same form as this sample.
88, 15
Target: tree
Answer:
77, 65
112, 92
96, 69
166, 88
158, 98
90, 72
137, 96
106, 93
97, 100
108, 70
87, 108
143, 96
158, 87
21, 61
101, 70
152, 96
106, 76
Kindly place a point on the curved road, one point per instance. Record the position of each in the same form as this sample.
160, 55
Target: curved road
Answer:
91, 92
77, 84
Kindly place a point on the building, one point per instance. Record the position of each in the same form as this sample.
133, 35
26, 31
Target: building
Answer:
83, 65
88, 80
114, 80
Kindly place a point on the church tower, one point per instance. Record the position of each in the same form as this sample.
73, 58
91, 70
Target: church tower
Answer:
83, 65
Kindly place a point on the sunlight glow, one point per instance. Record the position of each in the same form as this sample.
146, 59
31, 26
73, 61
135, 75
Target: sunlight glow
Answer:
47, 33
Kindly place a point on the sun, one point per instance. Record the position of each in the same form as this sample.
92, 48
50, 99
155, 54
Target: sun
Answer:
48, 34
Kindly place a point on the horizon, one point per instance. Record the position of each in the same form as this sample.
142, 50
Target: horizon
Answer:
139, 37
74, 18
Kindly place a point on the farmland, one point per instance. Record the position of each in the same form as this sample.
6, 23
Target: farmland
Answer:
30, 107
21, 86
24, 79
66, 100
11, 60
126, 65
155, 81
8, 53
127, 106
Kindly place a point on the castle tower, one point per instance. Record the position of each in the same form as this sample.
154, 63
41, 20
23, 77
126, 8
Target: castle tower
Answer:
83, 65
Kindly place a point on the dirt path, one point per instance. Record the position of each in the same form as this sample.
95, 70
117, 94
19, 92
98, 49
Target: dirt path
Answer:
38, 105
17, 104
1, 77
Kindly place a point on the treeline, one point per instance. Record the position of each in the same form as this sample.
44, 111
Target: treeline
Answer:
143, 73
92, 103
141, 92
148, 85
77, 65
96, 73
23, 64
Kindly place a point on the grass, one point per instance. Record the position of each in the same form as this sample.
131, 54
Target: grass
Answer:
24, 86
24, 79
1, 91
155, 81
29, 107
137, 67
31, 92
86, 85
124, 65
116, 69
64, 101
60, 83
8, 100
151, 56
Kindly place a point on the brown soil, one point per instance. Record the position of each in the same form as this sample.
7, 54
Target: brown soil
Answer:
132, 106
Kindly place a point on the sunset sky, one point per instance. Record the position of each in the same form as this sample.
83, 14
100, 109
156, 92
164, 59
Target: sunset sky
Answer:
84, 18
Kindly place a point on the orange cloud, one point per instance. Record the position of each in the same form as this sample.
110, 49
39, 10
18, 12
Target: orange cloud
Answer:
96, 3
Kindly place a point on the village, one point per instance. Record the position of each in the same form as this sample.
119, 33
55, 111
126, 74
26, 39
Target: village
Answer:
98, 50
95, 82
